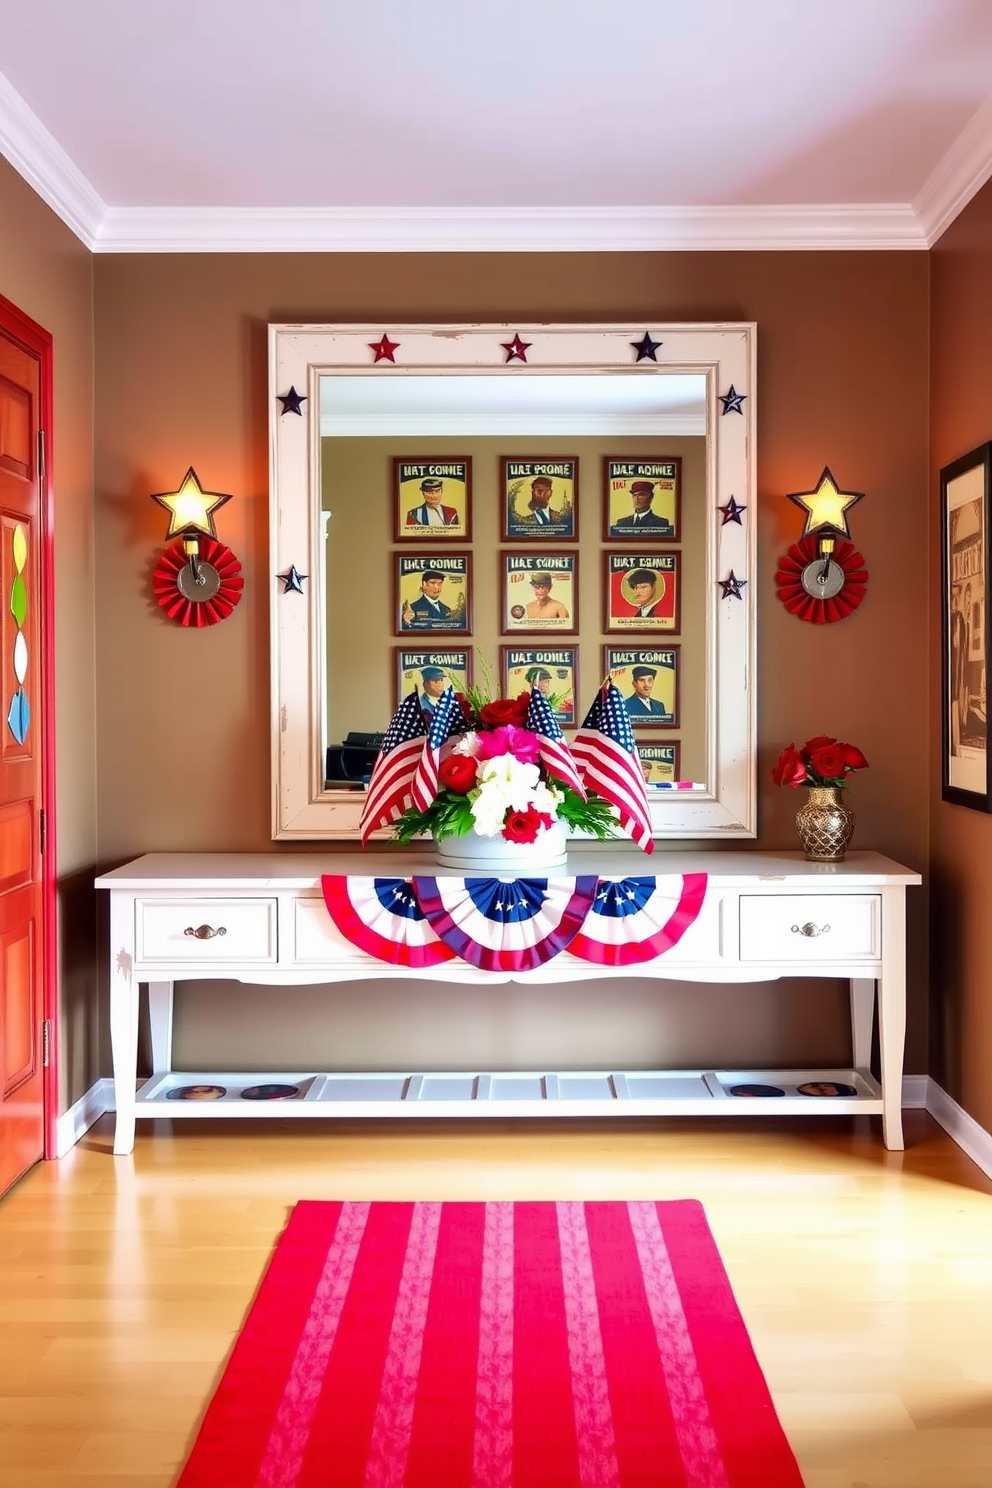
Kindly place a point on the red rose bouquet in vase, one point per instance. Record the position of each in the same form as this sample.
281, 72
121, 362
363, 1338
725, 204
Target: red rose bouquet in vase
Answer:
825, 822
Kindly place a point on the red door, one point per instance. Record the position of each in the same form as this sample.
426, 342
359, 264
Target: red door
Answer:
25, 353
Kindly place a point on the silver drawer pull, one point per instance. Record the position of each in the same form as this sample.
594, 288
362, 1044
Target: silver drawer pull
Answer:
809, 929
205, 932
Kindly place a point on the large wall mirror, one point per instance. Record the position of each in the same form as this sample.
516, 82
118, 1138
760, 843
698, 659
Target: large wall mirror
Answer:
553, 503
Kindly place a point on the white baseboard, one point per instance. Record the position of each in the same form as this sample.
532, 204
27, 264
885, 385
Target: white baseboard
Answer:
973, 1139
914, 1092
76, 1122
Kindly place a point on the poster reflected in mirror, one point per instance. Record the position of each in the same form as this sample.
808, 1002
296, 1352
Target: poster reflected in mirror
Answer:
540, 592
430, 672
432, 593
540, 498
642, 497
553, 672
648, 682
659, 762
964, 507
432, 498
642, 593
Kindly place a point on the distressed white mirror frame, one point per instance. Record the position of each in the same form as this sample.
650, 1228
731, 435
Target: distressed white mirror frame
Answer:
301, 355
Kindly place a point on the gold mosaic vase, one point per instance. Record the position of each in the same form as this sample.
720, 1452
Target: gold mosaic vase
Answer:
825, 824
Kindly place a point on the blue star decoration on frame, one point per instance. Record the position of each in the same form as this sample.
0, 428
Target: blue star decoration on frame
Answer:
292, 401
732, 587
293, 581
732, 512
732, 401
646, 348
516, 350
384, 349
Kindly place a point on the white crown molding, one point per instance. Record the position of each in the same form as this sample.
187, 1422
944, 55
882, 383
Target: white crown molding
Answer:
957, 177
40, 159
506, 229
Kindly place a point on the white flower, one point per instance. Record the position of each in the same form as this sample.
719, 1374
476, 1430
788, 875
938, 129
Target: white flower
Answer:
546, 799
512, 779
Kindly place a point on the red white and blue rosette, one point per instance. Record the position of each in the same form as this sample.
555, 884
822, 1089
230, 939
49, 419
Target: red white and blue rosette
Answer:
635, 919
506, 925
381, 916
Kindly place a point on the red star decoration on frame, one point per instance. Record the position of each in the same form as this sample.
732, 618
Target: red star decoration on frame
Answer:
384, 349
516, 350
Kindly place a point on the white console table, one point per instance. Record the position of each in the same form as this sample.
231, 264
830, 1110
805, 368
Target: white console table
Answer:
765, 915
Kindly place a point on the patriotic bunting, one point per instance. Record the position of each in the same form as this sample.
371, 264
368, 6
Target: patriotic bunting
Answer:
500, 925
389, 792
608, 762
381, 916
635, 919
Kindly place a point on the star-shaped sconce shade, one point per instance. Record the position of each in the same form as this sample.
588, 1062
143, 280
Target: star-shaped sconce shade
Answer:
516, 350
826, 507
191, 508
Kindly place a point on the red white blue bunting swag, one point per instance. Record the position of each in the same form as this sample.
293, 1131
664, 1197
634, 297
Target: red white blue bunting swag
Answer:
381, 916
506, 926
636, 919
515, 925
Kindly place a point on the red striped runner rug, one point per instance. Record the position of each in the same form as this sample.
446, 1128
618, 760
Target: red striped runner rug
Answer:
499, 1345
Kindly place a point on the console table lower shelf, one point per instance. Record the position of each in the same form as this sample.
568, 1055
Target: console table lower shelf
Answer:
569, 1093
260, 918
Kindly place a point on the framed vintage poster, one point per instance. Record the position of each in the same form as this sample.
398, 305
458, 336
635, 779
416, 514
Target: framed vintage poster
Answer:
642, 497
660, 762
964, 511
430, 673
641, 592
540, 498
555, 672
648, 682
432, 498
432, 593
540, 592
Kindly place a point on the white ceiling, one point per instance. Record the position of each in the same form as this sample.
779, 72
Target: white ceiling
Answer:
539, 124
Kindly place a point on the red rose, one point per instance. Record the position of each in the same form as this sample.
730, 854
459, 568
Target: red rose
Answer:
820, 742
505, 710
523, 826
465, 706
457, 773
789, 768
828, 761
853, 758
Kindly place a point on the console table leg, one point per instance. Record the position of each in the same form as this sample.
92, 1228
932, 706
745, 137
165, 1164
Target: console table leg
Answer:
160, 999
123, 1019
862, 1017
892, 1014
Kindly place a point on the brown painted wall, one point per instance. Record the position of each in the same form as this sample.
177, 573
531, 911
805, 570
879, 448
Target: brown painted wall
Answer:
961, 839
181, 378
48, 274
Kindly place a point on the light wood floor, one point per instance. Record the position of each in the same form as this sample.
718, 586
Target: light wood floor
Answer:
864, 1276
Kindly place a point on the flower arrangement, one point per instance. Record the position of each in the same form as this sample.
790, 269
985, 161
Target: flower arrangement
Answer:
492, 779
820, 761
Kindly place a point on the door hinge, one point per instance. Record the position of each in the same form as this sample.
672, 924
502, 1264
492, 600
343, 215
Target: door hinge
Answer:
46, 1042
42, 831
41, 459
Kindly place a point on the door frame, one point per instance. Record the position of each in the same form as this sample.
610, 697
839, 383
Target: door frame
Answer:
35, 340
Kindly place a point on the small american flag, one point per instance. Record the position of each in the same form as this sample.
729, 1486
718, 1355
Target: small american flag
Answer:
607, 757
555, 753
389, 792
448, 719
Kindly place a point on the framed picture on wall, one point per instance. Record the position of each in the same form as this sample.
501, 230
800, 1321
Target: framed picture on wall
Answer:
432, 593
540, 592
641, 592
430, 672
554, 671
648, 682
964, 513
660, 762
432, 498
642, 499
540, 498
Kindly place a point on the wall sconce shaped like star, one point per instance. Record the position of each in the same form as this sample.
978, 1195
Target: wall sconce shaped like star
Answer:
197, 580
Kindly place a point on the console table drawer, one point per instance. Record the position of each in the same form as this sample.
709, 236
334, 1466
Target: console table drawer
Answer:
810, 927
244, 931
